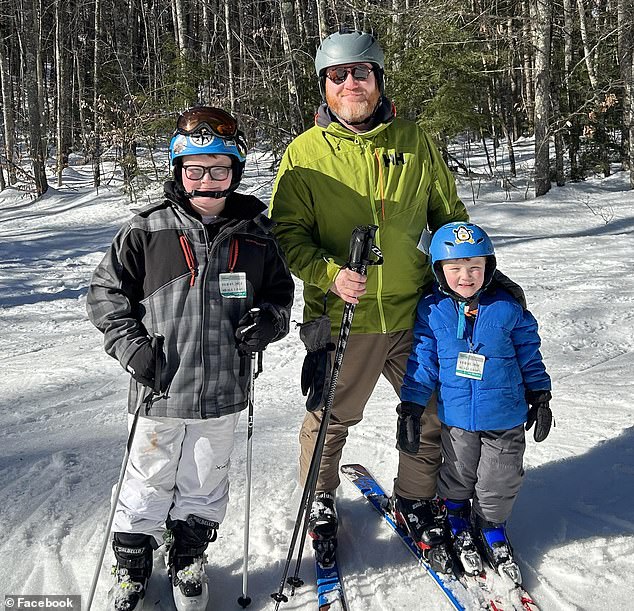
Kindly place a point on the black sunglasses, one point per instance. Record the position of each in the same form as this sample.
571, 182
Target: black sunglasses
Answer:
339, 74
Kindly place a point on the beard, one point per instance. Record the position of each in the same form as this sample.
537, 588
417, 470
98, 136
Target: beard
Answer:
354, 111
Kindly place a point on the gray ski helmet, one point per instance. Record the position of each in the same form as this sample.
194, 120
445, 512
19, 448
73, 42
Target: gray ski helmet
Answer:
348, 47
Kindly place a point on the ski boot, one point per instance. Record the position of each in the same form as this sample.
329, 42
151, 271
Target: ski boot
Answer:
424, 520
187, 560
322, 528
497, 549
462, 538
133, 553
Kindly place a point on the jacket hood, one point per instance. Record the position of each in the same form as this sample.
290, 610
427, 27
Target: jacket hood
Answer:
384, 113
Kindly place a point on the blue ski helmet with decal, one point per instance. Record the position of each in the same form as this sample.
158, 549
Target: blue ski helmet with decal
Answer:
461, 240
207, 135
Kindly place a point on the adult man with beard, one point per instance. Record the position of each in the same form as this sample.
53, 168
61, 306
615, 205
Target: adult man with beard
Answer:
360, 165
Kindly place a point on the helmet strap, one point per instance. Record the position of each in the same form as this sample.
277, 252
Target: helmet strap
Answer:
214, 194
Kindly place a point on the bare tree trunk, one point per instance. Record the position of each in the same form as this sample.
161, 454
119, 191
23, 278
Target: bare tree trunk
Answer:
41, 75
7, 111
559, 140
528, 80
29, 39
625, 20
632, 121
230, 66
323, 19
544, 10
180, 27
62, 94
587, 47
289, 43
573, 130
96, 143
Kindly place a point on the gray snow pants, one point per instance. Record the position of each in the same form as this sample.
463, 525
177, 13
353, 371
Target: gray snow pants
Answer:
486, 466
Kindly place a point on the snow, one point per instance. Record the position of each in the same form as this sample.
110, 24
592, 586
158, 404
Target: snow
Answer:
63, 416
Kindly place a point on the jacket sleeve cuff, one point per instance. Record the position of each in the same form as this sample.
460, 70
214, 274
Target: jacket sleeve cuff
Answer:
422, 398
329, 268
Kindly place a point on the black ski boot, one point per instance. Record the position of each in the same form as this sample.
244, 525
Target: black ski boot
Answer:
425, 521
133, 553
497, 549
462, 538
187, 560
322, 527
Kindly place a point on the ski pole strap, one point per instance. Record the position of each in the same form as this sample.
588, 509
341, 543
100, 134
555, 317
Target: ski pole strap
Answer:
258, 371
157, 348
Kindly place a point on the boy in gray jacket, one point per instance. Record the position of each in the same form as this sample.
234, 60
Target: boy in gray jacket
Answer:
202, 272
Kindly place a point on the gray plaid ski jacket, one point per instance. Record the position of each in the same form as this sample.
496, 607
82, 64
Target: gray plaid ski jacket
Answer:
161, 276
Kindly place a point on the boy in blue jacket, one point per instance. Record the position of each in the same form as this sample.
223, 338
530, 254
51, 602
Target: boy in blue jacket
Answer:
479, 350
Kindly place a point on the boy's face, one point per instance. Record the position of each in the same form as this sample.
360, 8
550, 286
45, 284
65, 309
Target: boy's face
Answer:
465, 276
220, 164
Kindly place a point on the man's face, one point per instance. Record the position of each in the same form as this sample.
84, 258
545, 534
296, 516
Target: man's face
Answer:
354, 100
465, 276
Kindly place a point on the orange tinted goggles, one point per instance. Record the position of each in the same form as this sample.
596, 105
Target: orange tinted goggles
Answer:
207, 118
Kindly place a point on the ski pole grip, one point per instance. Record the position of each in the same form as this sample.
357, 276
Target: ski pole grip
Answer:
361, 243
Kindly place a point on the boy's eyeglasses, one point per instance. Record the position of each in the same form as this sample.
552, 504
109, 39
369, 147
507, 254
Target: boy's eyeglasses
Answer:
216, 172
207, 118
339, 74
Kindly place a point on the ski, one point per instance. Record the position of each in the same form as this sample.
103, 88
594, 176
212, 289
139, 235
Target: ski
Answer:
462, 591
330, 593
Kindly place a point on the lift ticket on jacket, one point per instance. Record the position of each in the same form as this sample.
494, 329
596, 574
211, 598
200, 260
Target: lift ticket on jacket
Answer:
470, 365
233, 284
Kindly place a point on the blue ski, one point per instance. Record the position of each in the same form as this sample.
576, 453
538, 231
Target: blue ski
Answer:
372, 491
461, 590
330, 592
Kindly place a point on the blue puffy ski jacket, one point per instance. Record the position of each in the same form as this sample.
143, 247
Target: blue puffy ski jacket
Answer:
504, 333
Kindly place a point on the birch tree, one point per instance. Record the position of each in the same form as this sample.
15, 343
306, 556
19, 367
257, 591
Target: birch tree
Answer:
543, 24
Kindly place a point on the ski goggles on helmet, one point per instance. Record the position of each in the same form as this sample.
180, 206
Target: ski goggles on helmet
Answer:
338, 74
207, 119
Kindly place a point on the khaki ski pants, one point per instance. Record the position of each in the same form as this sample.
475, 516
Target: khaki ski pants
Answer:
367, 356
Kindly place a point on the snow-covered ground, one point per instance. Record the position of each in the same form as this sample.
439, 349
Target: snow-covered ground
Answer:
63, 417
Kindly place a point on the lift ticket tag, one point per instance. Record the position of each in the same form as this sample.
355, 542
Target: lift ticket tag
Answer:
233, 284
470, 365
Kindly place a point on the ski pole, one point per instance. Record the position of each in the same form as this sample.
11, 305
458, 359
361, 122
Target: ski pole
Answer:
361, 245
244, 600
142, 399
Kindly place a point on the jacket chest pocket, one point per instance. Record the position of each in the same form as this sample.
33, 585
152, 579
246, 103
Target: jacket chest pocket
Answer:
248, 254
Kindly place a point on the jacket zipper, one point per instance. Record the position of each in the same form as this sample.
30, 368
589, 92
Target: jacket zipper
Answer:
443, 197
473, 382
210, 250
370, 157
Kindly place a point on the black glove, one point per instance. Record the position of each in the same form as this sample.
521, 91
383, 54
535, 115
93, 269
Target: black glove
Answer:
316, 368
146, 363
256, 330
539, 412
408, 428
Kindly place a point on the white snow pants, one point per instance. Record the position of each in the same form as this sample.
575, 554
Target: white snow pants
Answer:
177, 467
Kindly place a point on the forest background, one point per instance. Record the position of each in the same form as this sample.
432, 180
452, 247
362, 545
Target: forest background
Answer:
104, 79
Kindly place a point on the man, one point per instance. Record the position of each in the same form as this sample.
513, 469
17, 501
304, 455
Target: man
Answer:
361, 165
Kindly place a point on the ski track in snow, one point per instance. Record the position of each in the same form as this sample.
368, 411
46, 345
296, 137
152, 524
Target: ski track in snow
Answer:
64, 422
